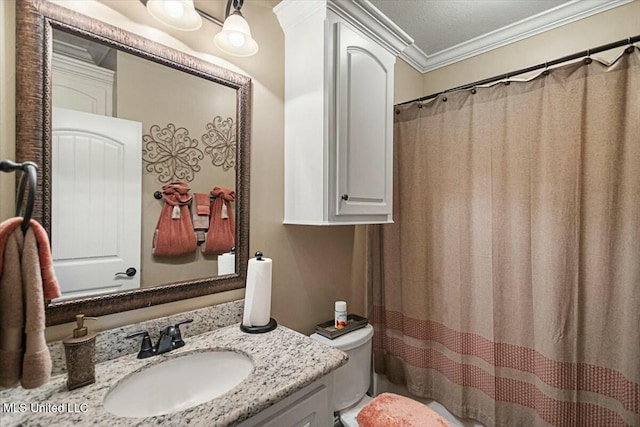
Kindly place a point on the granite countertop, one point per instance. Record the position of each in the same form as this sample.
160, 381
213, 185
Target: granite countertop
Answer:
284, 362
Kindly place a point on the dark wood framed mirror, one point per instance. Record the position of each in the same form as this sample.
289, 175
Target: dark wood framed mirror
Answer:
36, 22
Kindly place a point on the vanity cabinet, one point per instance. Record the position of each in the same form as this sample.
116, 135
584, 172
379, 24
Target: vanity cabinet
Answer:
339, 65
309, 407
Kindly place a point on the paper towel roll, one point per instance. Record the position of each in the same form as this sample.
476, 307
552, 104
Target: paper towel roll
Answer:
226, 263
257, 299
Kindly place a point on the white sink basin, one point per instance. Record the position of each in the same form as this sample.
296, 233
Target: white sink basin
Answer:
178, 384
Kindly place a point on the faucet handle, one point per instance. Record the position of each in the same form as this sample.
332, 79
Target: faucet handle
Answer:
183, 322
177, 341
146, 349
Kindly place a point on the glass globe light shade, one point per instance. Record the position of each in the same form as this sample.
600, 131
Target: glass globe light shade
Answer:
178, 14
235, 37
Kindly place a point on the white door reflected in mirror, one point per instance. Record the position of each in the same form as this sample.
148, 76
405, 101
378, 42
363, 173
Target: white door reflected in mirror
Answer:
95, 230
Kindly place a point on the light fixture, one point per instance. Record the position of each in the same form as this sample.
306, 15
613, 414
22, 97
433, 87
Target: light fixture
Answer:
235, 37
178, 14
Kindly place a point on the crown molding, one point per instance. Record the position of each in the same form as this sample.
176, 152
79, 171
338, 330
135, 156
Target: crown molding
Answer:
368, 19
291, 13
359, 13
82, 68
545, 21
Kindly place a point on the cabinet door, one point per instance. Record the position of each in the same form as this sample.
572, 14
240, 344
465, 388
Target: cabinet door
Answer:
310, 410
364, 108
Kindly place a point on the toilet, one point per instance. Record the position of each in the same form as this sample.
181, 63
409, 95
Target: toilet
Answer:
351, 383
352, 380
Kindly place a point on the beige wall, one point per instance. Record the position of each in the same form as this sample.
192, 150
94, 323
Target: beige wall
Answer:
189, 102
408, 82
606, 27
7, 102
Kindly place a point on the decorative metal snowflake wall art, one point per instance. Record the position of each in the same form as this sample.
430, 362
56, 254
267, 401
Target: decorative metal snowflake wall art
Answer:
220, 142
171, 153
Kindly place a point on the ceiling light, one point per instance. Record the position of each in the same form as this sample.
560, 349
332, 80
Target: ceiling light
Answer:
235, 37
178, 14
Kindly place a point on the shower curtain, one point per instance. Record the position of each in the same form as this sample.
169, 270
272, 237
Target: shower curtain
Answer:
508, 288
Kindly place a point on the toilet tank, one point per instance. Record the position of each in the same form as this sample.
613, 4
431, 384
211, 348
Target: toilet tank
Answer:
352, 380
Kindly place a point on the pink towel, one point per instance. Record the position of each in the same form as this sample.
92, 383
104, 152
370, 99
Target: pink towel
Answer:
174, 233
24, 268
202, 204
221, 236
392, 410
11, 310
49, 282
200, 215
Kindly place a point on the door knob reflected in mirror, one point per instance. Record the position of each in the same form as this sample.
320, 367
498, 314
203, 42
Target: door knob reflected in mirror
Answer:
130, 272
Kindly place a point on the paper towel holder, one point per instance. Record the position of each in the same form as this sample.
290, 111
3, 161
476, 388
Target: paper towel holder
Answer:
260, 329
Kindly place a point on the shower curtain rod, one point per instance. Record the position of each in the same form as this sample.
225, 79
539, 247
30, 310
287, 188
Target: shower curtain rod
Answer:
587, 53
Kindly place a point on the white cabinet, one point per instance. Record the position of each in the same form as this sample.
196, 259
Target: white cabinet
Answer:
339, 67
309, 407
80, 86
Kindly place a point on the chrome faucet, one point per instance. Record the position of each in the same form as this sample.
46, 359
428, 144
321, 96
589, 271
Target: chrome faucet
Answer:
170, 338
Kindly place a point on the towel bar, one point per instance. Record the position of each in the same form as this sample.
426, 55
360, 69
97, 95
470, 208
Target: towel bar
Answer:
28, 174
158, 195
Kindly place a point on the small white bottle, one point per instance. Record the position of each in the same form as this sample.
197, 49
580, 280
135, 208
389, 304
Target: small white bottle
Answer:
340, 314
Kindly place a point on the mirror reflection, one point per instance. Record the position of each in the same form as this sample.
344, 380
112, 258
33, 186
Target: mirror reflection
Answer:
143, 171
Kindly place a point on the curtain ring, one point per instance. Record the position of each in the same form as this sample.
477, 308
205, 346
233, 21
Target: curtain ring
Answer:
588, 59
631, 48
473, 91
546, 69
507, 82
419, 104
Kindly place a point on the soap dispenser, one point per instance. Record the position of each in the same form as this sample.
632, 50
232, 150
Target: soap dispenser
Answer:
80, 352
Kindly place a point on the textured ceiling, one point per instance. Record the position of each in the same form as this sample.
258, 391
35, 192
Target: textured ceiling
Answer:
447, 31
436, 25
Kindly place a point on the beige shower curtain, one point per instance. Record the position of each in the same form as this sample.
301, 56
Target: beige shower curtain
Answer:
508, 288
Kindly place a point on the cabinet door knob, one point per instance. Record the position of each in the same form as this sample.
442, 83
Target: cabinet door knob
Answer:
345, 197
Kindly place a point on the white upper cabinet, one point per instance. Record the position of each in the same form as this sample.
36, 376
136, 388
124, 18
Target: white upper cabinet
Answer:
81, 86
339, 62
